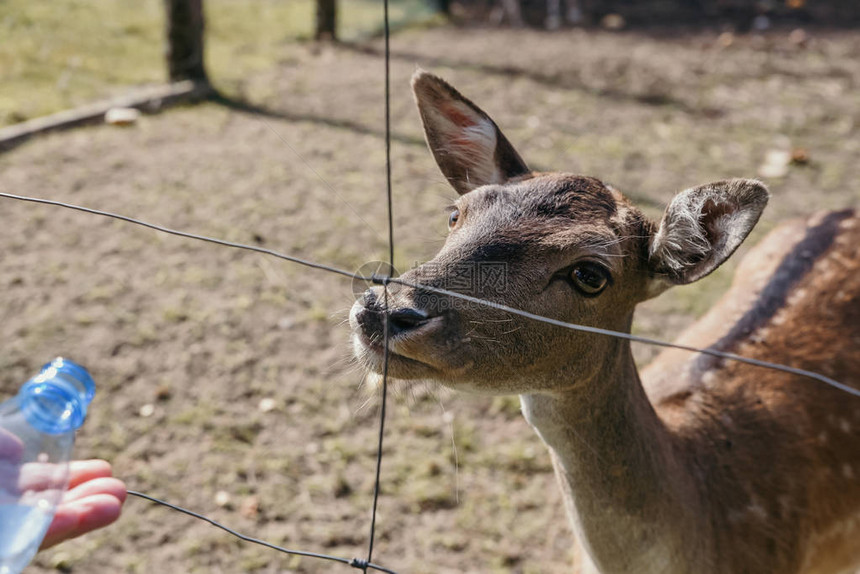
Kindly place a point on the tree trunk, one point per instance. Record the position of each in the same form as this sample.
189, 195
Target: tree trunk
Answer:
513, 13
326, 28
185, 40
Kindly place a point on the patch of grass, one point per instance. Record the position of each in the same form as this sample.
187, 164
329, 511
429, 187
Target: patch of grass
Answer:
61, 54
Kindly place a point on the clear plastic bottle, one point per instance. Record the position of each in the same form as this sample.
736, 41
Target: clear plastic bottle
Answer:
37, 433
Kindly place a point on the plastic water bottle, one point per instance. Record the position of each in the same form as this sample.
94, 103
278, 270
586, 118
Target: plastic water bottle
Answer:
37, 433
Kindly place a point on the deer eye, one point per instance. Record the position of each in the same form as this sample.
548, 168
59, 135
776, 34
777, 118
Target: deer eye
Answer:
453, 218
589, 278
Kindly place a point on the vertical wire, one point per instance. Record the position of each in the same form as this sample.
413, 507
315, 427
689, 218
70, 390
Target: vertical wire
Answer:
388, 140
381, 428
385, 282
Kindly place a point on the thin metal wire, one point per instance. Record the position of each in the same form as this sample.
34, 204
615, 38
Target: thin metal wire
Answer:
377, 482
635, 338
386, 318
388, 137
186, 234
349, 562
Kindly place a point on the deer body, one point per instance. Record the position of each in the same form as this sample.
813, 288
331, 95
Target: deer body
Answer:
779, 453
701, 466
736, 469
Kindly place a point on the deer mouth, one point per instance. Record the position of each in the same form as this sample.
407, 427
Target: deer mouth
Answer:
417, 342
407, 351
372, 355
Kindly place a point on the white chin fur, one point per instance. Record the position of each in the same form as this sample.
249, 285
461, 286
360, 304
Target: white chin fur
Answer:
373, 380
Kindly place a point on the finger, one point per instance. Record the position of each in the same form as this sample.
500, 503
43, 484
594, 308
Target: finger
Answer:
81, 471
80, 517
41, 476
11, 447
102, 485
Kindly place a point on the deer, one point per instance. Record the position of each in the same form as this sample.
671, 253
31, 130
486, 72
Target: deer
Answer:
698, 464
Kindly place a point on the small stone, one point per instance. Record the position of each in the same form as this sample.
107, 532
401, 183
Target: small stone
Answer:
266, 405
162, 393
147, 410
122, 116
772, 171
222, 498
775, 163
777, 157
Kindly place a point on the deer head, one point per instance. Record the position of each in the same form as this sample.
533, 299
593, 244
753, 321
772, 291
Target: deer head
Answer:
559, 245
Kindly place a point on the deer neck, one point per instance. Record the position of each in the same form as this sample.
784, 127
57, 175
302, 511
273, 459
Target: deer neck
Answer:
628, 495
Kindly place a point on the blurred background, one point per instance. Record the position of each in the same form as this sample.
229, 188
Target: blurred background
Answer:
225, 382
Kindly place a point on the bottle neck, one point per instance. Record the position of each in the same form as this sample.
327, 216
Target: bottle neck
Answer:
55, 401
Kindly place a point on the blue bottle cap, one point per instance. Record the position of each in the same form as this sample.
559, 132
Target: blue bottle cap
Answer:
55, 401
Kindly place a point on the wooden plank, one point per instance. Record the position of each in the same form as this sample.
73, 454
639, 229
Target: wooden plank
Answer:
148, 100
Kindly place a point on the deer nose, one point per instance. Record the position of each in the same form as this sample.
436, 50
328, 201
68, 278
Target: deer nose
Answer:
400, 320
406, 319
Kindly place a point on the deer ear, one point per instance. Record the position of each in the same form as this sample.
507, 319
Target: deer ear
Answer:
468, 146
701, 228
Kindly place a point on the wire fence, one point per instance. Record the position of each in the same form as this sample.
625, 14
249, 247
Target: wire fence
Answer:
385, 280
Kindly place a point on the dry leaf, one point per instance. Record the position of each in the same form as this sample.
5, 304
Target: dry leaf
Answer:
799, 156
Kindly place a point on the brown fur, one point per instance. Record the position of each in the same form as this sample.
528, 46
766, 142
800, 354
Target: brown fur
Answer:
801, 437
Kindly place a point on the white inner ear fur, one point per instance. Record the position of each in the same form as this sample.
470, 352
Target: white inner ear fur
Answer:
703, 226
474, 145
681, 239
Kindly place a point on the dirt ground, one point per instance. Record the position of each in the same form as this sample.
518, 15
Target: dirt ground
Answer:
221, 371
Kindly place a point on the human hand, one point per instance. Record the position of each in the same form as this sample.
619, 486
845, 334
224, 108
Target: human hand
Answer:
94, 499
